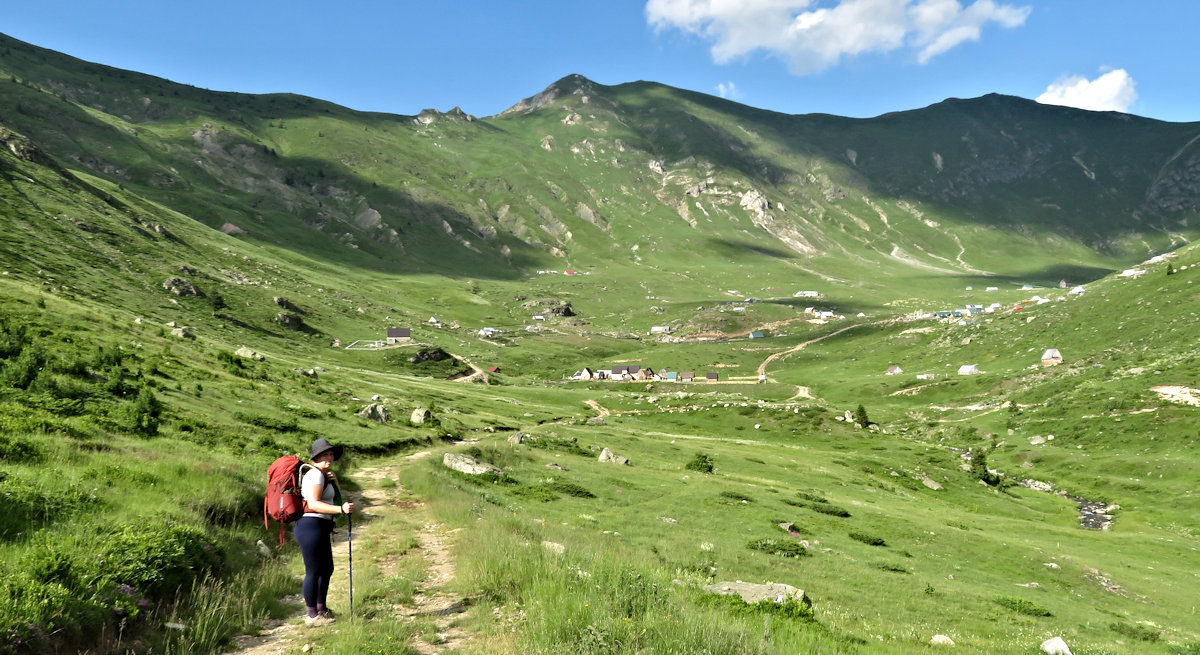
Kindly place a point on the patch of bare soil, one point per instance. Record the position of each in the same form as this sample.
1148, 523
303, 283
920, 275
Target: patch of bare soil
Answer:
433, 601
1178, 394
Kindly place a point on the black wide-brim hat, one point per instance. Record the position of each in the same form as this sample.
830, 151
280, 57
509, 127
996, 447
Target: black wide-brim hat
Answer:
321, 445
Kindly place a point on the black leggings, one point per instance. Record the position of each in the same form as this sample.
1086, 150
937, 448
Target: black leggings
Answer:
313, 535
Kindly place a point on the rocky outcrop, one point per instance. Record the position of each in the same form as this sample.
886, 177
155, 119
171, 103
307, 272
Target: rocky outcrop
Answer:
608, 456
420, 415
469, 465
290, 321
429, 355
1055, 646
180, 287
250, 353
752, 592
375, 412
551, 306
520, 438
286, 304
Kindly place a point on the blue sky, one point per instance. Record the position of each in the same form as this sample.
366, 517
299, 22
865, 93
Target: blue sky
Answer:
856, 58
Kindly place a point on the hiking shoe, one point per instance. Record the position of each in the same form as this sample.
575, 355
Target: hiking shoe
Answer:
317, 621
328, 613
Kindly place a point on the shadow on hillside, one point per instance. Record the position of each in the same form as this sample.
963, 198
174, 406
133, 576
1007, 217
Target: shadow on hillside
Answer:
1048, 276
736, 249
301, 204
844, 307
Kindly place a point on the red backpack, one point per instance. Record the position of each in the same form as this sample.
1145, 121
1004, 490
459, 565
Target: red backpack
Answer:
283, 502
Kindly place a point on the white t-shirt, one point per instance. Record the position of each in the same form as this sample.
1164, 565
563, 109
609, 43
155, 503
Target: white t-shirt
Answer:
313, 476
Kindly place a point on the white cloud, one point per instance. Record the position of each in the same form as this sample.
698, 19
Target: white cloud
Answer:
812, 38
1112, 91
728, 90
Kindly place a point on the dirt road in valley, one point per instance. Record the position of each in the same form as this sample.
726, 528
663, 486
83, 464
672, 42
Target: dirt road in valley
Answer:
762, 368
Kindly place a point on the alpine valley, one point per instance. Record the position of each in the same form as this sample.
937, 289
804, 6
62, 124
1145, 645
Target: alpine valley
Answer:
937, 370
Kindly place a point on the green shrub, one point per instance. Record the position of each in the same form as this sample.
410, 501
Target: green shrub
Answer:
16, 449
867, 539
1021, 606
47, 565
536, 492
821, 508
892, 568
860, 417
144, 414
1138, 632
779, 547
156, 560
29, 504
701, 463
734, 497
21, 371
979, 468
268, 422
570, 488
32, 611
570, 446
482, 478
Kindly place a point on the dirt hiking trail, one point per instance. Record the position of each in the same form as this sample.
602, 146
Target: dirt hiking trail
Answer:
432, 604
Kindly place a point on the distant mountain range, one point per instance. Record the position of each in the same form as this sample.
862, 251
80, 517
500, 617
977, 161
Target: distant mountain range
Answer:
640, 173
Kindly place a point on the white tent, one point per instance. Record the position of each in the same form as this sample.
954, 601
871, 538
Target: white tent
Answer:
968, 369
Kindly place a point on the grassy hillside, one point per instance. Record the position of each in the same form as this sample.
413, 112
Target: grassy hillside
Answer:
135, 430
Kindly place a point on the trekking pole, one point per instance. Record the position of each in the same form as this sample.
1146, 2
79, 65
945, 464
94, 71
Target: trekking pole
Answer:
350, 552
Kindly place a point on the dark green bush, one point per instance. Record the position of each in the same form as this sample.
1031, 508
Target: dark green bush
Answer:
1021, 606
701, 463
35, 610
49, 566
891, 568
156, 560
29, 505
734, 497
16, 449
268, 422
867, 539
145, 413
559, 444
779, 547
536, 492
570, 488
1138, 632
21, 371
821, 508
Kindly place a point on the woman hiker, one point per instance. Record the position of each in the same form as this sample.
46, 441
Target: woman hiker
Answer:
318, 487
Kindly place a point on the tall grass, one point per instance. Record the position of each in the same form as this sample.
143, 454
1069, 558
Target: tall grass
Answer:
206, 618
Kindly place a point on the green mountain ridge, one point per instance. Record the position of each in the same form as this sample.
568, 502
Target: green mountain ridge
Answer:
581, 172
